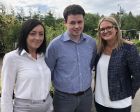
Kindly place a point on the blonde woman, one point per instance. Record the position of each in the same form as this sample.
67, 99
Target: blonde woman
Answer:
117, 69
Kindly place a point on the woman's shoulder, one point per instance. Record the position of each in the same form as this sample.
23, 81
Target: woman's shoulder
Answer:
131, 50
11, 55
129, 46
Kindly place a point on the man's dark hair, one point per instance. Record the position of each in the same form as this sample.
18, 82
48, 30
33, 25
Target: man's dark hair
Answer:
73, 9
27, 26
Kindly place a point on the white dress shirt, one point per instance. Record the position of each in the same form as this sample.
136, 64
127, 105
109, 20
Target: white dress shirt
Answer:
29, 78
102, 91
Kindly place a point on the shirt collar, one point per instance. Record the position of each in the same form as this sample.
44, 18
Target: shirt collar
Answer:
25, 52
66, 37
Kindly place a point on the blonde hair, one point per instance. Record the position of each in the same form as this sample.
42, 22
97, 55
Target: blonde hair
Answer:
101, 44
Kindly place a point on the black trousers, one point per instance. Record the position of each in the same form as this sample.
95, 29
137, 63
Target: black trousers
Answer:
100, 108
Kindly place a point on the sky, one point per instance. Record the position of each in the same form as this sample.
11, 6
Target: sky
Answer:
102, 7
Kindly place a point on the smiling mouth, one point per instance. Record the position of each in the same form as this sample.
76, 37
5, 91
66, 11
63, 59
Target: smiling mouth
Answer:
76, 30
104, 34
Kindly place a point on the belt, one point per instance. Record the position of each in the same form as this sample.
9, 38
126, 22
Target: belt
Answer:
31, 101
76, 94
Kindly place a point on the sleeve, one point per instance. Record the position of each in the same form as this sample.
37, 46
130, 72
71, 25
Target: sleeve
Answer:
134, 67
8, 75
93, 56
50, 57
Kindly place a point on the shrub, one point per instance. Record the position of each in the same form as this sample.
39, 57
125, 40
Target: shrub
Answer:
137, 43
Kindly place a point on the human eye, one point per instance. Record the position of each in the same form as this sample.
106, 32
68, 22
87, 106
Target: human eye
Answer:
41, 34
79, 22
109, 28
72, 22
101, 30
32, 33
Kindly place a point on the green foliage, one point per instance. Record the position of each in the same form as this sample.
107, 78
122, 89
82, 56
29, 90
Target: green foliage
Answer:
91, 23
138, 22
49, 20
52, 89
1, 47
137, 43
10, 32
10, 25
0, 87
52, 32
3, 25
129, 21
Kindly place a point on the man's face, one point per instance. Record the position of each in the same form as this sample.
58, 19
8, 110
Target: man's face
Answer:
75, 25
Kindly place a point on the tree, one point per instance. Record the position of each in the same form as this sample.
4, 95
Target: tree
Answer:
129, 21
138, 22
50, 20
91, 23
2, 9
20, 15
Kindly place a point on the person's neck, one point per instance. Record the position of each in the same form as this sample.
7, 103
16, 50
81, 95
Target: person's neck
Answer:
111, 44
75, 39
33, 53
109, 47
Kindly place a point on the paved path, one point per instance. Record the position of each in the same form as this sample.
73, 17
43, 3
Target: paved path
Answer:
136, 102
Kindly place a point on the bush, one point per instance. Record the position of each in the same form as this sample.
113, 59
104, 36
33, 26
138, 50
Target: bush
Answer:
137, 43
1, 48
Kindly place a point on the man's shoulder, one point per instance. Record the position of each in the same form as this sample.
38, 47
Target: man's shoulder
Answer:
56, 40
88, 37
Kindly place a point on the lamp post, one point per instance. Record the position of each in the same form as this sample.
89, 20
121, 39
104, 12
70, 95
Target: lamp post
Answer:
121, 12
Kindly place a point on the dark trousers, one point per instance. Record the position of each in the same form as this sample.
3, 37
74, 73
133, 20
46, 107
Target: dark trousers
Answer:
65, 102
100, 108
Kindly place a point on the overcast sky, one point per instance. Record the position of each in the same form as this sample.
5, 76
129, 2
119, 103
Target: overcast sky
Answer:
103, 7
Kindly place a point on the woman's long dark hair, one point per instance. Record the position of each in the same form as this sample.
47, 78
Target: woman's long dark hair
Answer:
27, 26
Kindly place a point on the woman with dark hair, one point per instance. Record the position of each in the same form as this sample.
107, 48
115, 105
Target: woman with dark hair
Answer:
25, 73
